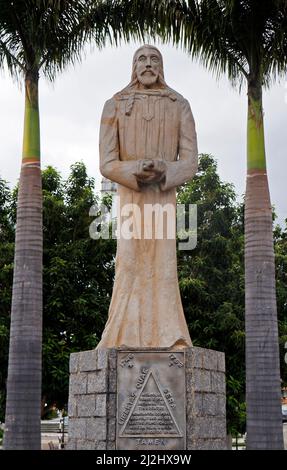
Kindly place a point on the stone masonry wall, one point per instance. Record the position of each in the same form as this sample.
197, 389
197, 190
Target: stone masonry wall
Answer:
206, 399
92, 400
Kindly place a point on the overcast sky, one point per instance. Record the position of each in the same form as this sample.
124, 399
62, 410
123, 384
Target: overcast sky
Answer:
71, 110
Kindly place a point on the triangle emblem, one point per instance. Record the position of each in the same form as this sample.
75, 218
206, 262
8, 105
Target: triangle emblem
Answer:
151, 414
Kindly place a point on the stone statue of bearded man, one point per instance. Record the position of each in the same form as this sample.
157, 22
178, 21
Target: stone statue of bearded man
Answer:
148, 146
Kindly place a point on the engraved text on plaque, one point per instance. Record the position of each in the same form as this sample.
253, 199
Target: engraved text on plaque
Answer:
151, 400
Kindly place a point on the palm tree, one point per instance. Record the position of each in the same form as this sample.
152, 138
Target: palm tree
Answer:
247, 40
38, 36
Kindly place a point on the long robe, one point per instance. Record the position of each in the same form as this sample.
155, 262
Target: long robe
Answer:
146, 308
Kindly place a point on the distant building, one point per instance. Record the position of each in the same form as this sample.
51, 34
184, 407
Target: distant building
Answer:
108, 186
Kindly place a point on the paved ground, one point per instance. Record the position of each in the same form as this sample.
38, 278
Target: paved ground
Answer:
51, 441
285, 435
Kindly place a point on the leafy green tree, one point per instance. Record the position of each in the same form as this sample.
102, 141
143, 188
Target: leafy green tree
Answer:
6, 272
280, 238
247, 40
211, 279
78, 277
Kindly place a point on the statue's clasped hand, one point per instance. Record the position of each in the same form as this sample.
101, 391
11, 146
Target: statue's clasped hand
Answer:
150, 171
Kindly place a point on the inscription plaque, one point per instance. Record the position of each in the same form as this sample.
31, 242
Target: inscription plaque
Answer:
150, 400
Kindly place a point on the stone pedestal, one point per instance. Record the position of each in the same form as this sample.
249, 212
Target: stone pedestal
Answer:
199, 419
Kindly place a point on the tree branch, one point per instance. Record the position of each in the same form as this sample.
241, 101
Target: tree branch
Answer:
246, 75
45, 57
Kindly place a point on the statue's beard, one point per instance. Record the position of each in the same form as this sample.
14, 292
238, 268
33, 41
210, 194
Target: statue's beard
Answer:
147, 79
135, 83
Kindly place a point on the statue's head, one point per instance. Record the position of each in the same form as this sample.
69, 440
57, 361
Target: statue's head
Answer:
147, 69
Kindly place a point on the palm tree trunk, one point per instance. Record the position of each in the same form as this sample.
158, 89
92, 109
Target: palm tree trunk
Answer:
263, 393
23, 404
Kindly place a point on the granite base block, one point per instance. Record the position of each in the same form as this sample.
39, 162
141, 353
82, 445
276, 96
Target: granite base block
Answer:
93, 399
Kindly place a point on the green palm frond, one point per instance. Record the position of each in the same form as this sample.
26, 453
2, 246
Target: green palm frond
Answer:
50, 34
240, 38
